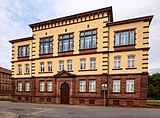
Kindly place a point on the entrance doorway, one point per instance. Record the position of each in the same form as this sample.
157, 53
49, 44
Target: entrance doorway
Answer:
64, 93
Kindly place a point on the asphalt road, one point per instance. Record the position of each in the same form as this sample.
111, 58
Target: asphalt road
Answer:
29, 110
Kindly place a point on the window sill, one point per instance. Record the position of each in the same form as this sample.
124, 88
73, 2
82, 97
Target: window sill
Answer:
86, 92
45, 72
87, 70
117, 69
23, 58
82, 92
70, 71
92, 92
124, 47
65, 70
19, 74
90, 50
130, 92
65, 53
131, 68
116, 92
26, 73
45, 55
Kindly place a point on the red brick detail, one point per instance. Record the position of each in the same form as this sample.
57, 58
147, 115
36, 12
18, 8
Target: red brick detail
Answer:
137, 98
125, 47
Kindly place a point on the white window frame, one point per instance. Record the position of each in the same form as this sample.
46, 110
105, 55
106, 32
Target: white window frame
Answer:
27, 86
92, 63
69, 64
49, 86
42, 68
20, 69
49, 66
131, 61
92, 85
82, 86
124, 37
83, 64
61, 65
130, 85
42, 86
27, 68
117, 62
20, 86
116, 85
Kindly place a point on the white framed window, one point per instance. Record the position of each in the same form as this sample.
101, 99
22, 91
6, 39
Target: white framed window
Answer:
129, 85
27, 86
69, 63
92, 86
61, 65
27, 68
82, 85
88, 39
117, 62
116, 85
93, 63
46, 45
66, 42
42, 66
23, 51
42, 86
19, 86
131, 61
49, 86
125, 37
49, 66
20, 69
83, 64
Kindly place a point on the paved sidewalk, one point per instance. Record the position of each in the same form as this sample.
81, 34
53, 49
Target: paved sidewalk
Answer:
4, 114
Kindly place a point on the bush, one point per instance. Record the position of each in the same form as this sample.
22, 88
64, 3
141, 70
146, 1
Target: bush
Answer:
154, 86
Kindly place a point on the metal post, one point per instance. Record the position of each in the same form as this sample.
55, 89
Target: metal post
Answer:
104, 88
104, 98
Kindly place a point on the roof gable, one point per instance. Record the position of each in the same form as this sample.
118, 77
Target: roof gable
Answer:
56, 22
63, 74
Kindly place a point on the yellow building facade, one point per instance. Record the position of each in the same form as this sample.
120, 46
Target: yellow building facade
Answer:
68, 59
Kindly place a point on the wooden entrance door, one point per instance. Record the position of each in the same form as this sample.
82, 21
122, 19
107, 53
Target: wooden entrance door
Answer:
64, 93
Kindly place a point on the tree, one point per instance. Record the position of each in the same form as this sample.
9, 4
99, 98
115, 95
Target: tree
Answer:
154, 86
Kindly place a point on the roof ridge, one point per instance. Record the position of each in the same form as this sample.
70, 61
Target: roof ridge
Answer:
4, 70
74, 15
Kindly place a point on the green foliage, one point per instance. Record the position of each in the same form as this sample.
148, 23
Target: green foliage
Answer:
154, 86
153, 103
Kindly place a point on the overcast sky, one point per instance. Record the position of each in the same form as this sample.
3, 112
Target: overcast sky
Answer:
16, 15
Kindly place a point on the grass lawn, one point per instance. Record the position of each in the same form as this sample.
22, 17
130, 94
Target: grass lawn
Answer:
5, 98
153, 102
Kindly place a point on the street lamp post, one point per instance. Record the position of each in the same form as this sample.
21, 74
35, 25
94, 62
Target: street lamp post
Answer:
104, 88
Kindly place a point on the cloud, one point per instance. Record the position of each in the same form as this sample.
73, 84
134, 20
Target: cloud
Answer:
15, 17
